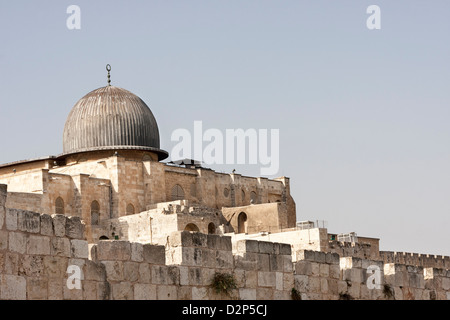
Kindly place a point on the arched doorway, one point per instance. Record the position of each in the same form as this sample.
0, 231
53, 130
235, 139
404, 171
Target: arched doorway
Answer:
211, 228
242, 222
95, 213
59, 206
191, 227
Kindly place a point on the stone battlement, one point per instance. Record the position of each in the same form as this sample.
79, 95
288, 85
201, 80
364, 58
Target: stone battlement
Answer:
39, 253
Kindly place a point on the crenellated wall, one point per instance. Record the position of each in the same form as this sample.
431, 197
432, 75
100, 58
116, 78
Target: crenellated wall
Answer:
40, 255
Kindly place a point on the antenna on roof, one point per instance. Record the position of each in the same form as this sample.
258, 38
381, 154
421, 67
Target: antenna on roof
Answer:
108, 68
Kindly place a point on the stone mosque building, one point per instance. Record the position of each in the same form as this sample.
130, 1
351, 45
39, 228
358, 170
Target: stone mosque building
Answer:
110, 175
141, 228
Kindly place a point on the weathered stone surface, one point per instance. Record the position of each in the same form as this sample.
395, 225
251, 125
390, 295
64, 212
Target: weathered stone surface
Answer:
55, 267
266, 247
114, 270
145, 273
79, 248
122, 291
154, 254
55, 289
11, 219
75, 228
113, 250
3, 240
218, 242
159, 274
285, 249
38, 245
247, 246
28, 221
166, 292
13, 287
90, 290
266, 279
95, 271
131, 271
46, 225
59, 224
37, 289
143, 291
137, 252
60, 247
247, 294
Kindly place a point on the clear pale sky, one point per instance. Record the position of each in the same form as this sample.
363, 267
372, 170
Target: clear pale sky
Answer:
364, 115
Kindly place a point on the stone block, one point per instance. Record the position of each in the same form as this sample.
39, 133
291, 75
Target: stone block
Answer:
173, 275
2, 216
95, 271
315, 269
416, 280
288, 281
446, 284
11, 263
285, 249
164, 292
342, 286
145, 273
79, 248
13, 287
75, 228
247, 246
38, 245
275, 262
287, 263
263, 262
306, 255
184, 276
332, 258
247, 294
264, 293
224, 259
314, 285
113, 250
266, 247
55, 267
218, 242
59, 224
301, 283
154, 254
266, 279
137, 252
103, 291
55, 289
46, 225
144, 291
114, 270
195, 277
159, 274
184, 293
251, 279
187, 239
324, 285
319, 256
333, 286
279, 280
37, 289
200, 293
249, 261
355, 290
324, 270
60, 247
122, 291
335, 271
303, 267
131, 271
18, 242
28, 221
11, 219
90, 290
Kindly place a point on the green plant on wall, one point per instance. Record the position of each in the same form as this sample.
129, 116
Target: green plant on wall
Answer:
223, 283
295, 295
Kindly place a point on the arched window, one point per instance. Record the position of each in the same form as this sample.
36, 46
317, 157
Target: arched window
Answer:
130, 209
211, 228
177, 192
191, 227
95, 213
243, 195
253, 197
242, 223
59, 206
226, 192
103, 238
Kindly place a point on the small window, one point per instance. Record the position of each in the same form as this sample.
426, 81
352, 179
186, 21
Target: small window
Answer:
253, 197
177, 193
130, 209
59, 206
243, 195
211, 228
95, 213
242, 222
226, 192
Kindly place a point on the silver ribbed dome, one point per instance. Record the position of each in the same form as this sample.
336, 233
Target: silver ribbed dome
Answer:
111, 118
